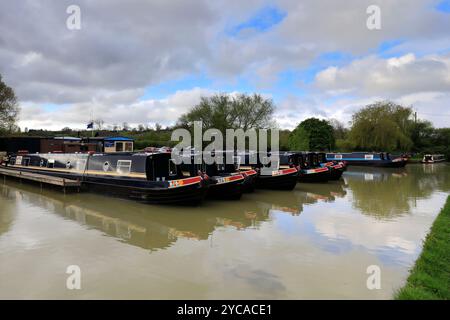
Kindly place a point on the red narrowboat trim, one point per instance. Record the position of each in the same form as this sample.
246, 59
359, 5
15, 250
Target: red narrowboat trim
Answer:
284, 171
249, 172
184, 182
236, 177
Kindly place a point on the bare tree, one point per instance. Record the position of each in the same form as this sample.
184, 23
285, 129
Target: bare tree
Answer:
9, 109
99, 124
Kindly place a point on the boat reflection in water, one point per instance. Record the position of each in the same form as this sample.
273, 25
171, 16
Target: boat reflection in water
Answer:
315, 241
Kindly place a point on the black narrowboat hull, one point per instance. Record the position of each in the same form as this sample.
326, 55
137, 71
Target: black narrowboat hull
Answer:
315, 175
336, 172
136, 189
251, 176
190, 195
226, 191
286, 181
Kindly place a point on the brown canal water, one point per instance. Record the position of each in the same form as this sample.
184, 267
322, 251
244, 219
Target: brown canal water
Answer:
314, 242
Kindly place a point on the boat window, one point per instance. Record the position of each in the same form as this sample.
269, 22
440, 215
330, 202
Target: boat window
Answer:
26, 161
172, 168
128, 146
338, 156
119, 146
50, 163
123, 166
368, 156
19, 160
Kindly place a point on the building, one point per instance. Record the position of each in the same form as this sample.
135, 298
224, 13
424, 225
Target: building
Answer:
65, 144
111, 144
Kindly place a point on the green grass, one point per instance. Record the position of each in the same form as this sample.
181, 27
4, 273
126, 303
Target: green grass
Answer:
430, 276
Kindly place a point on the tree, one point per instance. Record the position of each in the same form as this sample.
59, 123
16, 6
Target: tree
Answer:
99, 123
312, 134
382, 126
441, 142
339, 130
421, 134
9, 109
223, 111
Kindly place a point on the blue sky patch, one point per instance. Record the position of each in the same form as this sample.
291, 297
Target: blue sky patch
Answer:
444, 6
261, 21
385, 49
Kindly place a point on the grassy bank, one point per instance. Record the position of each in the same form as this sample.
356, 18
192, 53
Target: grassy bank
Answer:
430, 277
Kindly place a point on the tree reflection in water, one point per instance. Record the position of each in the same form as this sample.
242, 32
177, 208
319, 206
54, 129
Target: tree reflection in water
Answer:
387, 193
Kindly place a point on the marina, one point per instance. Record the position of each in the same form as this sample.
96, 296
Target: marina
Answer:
327, 233
155, 177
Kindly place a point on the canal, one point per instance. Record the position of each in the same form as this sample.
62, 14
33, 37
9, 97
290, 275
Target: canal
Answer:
314, 242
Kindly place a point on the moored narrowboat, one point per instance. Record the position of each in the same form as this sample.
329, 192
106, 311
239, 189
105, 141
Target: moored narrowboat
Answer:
375, 159
307, 163
149, 177
338, 167
225, 182
270, 175
250, 175
433, 158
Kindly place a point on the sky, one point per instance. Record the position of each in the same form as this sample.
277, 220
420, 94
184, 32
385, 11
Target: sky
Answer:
148, 62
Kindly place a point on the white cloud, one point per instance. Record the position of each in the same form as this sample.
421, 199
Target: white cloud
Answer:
113, 109
390, 78
125, 47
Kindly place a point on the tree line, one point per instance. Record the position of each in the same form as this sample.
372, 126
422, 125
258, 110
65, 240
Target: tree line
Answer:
381, 126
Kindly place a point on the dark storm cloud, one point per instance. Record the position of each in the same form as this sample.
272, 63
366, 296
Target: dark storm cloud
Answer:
121, 45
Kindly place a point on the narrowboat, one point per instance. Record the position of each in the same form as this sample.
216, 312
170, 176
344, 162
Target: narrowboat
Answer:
225, 182
308, 166
250, 175
374, 159
338, 167
269, 176
433, 158
150, 177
